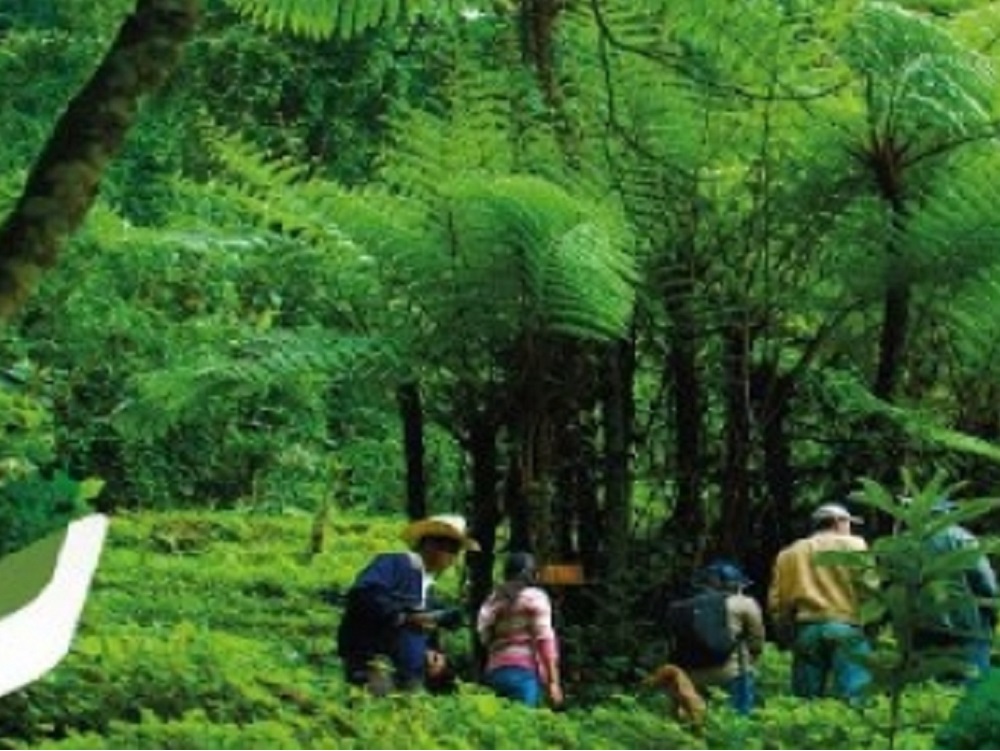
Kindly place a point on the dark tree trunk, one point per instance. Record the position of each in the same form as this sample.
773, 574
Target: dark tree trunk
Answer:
772, 394
485, 516
412, 414
64, 182
688, 402
892, 342
619, 419
734, 522
887, 164
515, 503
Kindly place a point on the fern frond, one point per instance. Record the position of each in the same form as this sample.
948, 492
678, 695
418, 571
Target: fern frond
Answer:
321, 19
567, 265
854, 398
300, 365
922, 77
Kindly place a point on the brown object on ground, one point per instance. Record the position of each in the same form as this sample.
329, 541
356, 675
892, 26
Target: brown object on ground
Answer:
689, 705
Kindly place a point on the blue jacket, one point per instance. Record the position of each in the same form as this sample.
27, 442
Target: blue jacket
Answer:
971, 616
372, 625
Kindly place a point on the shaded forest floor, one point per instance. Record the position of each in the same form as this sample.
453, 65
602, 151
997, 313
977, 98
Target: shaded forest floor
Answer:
215, 630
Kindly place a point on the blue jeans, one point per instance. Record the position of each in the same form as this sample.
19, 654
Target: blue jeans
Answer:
518, 684
828, 659
971, 655
742, 693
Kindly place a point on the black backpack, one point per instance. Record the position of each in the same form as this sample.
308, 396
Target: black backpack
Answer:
698, 627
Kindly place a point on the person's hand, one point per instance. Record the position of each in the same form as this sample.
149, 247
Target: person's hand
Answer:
555, 694
437, 663
420, 620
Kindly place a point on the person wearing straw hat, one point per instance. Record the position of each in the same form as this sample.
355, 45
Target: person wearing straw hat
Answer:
385, 637
821, 604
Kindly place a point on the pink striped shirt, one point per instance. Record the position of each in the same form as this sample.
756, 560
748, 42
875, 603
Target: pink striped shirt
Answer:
519, 633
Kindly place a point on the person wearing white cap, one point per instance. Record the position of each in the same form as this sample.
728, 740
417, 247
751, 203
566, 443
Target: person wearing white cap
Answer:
385, 635
819, 604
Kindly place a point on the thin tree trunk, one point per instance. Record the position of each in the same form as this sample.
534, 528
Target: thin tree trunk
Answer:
412, 414
485, 516
892, 342
734, 522
688, 397
771, 394
64, 182
619, 418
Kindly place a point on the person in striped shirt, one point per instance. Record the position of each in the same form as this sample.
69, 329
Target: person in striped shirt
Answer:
515, 626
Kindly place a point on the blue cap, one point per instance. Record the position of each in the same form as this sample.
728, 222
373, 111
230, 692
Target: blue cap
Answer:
726, 573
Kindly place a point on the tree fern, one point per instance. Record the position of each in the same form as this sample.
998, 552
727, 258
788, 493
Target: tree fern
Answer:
569, 260
921, 77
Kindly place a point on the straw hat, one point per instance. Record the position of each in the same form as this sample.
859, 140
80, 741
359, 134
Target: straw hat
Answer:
452, 526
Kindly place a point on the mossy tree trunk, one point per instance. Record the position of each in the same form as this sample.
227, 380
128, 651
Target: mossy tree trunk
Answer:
64, 182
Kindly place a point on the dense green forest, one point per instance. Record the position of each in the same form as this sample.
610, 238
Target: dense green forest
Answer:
629, 283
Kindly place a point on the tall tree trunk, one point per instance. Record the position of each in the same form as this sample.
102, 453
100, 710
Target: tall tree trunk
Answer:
687, 394
412, 414
892, 341
485, 516
62, 186
771, 394
887, 162
734, 521
687, 407
619, 419
577, 493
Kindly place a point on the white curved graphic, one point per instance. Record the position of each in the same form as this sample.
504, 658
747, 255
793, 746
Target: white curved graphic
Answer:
35, 638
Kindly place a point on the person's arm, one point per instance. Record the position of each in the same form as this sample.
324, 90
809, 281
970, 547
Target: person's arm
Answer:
380, 592
753, 628
777, 607
485, 619
546, 645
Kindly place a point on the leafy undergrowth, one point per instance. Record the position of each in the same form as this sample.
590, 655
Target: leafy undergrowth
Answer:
215, 630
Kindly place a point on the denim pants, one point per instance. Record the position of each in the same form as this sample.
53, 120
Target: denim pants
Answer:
519, 684
828, 659
971, 655
742, 692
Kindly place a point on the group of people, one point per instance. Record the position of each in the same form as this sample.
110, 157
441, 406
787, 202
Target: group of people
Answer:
816, 606
388, 634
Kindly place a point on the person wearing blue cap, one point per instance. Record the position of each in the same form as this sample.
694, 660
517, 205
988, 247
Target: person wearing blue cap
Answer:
745, 621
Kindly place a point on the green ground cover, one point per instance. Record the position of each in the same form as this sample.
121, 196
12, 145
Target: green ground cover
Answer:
215, 630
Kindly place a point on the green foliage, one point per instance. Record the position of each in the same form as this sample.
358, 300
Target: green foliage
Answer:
785, 722
240, 368
125, 670
212, 630
33, 506
917, 581
34, 499
922, 80
322, 18
194, 730
27, 439
973, 723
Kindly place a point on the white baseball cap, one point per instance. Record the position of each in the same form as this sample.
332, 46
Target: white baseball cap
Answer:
835, 511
